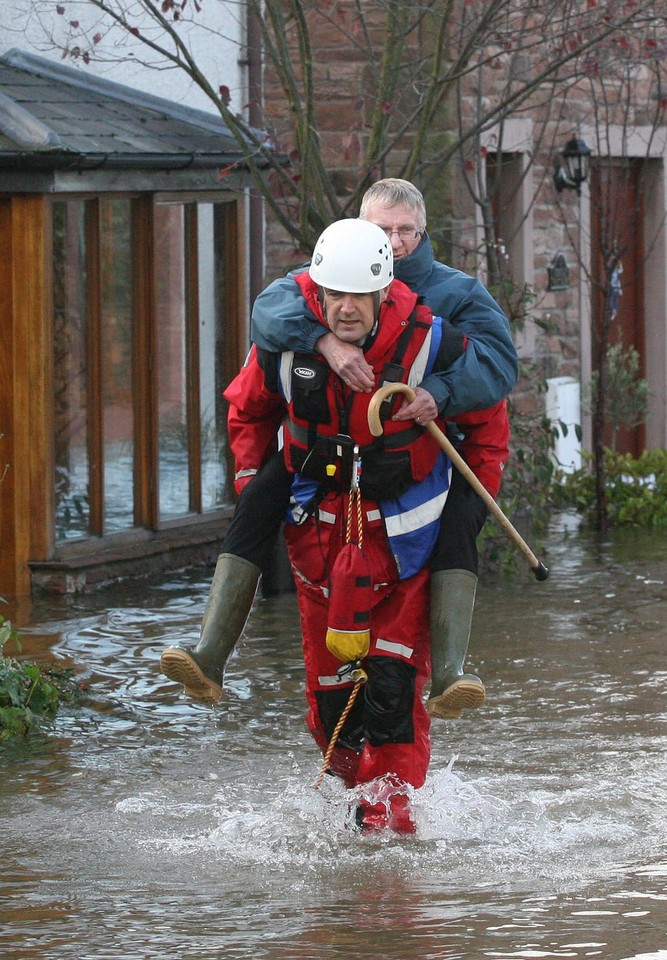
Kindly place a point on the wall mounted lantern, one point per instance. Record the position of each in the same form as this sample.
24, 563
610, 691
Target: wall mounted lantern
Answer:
572, 165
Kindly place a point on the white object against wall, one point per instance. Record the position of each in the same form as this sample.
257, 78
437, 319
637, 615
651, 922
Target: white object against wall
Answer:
563, 406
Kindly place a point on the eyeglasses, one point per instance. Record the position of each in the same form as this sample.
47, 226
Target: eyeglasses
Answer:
405, 233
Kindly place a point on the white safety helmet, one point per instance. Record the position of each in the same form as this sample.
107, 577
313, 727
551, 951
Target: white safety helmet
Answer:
353, 256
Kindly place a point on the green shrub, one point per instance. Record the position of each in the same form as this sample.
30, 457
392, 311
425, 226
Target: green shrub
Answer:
626, 396
636, 489
29, 694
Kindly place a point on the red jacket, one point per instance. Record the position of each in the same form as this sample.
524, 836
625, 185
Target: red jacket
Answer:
256, 411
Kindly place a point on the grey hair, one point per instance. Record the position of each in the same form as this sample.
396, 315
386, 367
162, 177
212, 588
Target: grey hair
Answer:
392, 191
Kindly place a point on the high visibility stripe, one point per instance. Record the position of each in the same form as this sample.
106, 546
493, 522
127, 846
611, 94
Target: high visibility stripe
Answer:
334, 681
416, 518
297, 573
390, 647
412, 521
285, 376
420, 366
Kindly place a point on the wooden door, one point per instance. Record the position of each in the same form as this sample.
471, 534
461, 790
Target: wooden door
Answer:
618, 257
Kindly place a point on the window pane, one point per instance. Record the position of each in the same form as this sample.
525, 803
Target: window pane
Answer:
171, 350
212, 282
72, 505
99, 337
117, 351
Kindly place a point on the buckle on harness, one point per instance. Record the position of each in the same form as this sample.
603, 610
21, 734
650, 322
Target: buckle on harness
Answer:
352, 672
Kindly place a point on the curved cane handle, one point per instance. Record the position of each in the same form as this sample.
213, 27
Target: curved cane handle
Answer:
381, 394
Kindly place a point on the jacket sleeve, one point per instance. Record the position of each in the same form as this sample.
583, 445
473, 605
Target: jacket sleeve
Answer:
281, 319
483, 442
255, 415
489, 368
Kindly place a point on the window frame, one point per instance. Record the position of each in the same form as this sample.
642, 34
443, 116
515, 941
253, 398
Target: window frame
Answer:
147, 524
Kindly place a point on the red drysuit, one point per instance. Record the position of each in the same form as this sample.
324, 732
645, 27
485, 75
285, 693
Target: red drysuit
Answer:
385, 740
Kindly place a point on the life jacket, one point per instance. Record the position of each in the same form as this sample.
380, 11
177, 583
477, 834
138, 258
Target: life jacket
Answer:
323, 414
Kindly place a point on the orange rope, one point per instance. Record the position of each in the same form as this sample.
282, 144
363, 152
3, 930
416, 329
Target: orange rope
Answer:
334, 737
355, 493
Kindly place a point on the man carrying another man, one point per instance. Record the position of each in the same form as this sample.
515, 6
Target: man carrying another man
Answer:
364, 512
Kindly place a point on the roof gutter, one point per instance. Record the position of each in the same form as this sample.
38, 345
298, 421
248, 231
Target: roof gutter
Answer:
66, 160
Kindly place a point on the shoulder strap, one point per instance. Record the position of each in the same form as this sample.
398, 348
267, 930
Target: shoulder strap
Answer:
394, 371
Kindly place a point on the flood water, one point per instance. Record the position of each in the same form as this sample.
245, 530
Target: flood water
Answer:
143, 826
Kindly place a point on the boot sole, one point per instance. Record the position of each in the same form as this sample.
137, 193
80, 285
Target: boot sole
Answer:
180, 667
461, 695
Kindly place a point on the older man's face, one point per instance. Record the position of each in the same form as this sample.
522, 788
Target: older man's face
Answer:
401, 224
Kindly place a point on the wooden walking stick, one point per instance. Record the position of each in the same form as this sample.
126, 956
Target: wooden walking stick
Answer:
375, 424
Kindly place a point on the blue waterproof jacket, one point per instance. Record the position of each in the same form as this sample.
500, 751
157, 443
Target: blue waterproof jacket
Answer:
480, 378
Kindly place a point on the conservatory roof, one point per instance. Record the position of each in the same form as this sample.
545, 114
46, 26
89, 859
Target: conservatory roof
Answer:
59, 119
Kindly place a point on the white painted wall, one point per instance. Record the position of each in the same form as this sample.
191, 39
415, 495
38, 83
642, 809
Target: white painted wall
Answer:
215, 37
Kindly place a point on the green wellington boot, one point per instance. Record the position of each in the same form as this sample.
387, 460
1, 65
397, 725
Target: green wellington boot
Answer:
452, 605
200, 669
